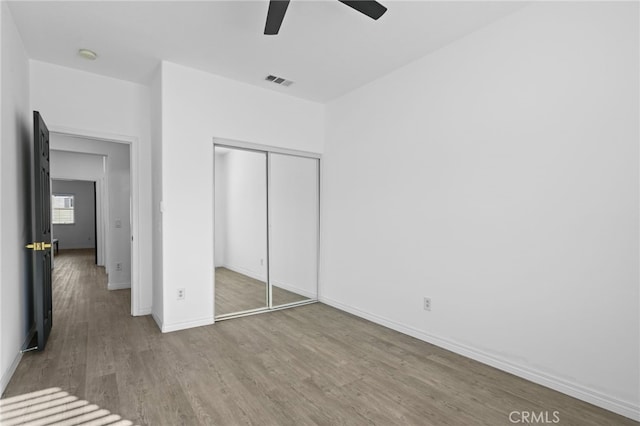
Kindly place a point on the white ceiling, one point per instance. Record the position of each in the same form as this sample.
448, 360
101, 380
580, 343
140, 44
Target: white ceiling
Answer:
325, 47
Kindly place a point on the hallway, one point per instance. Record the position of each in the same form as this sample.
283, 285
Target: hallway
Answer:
89, 324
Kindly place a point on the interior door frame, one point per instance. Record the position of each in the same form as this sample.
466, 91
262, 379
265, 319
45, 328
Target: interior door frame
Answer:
134, 188
101, 206
266, 149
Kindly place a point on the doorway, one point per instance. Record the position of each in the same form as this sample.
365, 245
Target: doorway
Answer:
74, 216
109, 165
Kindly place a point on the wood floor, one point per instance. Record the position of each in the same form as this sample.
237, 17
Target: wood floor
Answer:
303, 366
237, 292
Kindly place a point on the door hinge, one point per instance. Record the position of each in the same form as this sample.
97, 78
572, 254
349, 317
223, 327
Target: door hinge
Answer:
38, 246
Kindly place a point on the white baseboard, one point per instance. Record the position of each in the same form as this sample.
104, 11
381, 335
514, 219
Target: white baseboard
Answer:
624, 408
157, 320
167, 328
6, 376
247, 272
294, 289
118, 286
143, 311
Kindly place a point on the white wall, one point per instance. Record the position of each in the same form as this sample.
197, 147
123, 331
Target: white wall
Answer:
241, 212
5, 370
196, 107
117, 185
82, 233
88, 167
15, 189
93, 105
156, 193
499, 176
76, 165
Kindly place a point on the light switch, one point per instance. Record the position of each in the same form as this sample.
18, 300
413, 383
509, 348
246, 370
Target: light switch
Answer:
118, 223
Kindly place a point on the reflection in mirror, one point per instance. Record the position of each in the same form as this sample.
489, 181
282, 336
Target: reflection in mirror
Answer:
240, 230
293, 236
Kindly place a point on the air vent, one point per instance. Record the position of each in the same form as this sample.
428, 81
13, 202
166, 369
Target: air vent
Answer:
279, 80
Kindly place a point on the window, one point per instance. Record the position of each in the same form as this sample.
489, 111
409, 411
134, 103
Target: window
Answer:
63, 213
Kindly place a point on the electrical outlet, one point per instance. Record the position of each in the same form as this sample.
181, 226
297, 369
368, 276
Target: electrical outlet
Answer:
261, 262
119, 266
427, 304
180, 293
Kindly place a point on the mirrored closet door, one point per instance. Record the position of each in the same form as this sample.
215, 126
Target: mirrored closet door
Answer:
240, 228
266, 230
293, 228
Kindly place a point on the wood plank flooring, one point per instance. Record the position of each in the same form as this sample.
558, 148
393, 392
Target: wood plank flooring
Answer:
311, 365
237, 292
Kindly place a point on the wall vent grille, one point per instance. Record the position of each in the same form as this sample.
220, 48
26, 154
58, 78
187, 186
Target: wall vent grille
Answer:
279, 80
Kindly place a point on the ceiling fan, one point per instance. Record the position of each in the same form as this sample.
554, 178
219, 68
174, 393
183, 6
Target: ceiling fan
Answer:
277, 9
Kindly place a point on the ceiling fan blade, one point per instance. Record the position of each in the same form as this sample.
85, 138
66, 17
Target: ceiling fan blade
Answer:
371, 8
275, 15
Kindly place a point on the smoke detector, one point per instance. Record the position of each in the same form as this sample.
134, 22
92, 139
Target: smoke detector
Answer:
88, 54
279, 80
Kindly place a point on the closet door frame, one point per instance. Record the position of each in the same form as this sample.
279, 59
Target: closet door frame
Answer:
268, 150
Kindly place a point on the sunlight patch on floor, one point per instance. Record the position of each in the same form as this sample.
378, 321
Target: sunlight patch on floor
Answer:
55, 406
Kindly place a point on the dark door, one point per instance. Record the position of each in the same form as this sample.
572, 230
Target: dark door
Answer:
95, 223
41, 246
